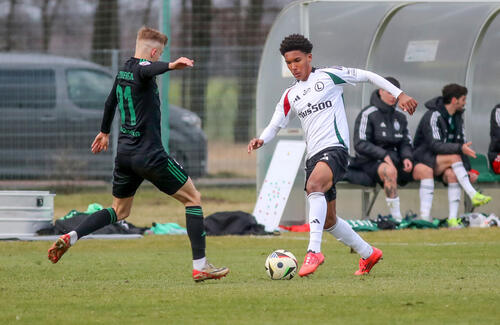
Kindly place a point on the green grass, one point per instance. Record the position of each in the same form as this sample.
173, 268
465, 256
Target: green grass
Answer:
427, 276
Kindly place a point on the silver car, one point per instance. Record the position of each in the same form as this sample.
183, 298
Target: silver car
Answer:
51, 110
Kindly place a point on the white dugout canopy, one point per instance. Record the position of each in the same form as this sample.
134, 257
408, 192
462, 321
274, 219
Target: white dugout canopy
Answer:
425, 45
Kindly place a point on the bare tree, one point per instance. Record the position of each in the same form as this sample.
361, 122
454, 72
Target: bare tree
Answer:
147, 13
48, 21
9, 26
248, 38
106, 31
201, 15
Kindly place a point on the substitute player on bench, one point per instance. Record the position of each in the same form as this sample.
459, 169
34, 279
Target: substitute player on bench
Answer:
383, 146
316, 98
441, 150
140, 153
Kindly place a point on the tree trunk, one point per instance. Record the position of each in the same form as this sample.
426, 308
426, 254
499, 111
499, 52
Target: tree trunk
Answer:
9, 28
47, 22
248, 38
106, 32
200, 43
147, 12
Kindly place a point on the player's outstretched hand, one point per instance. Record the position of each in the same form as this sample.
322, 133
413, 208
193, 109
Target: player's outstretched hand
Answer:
407, 103
100, 143
255, 144
467, 150
181, 63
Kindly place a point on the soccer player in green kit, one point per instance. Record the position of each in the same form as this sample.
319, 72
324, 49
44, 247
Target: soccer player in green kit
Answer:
140, 153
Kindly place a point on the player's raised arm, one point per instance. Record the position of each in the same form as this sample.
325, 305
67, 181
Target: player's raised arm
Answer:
151, 69
351, 75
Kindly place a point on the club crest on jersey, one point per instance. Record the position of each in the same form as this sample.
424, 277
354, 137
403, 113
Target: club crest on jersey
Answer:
144, 63
396, 125
319, 86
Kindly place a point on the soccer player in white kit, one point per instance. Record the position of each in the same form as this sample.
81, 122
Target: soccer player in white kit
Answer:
316, 98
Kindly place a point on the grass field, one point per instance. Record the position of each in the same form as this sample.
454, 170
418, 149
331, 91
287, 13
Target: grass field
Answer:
427, 276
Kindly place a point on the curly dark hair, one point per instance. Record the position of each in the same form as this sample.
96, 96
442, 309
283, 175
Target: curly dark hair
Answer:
295, 42
453, 91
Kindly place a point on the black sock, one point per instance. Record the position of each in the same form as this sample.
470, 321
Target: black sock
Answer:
196, 231
96, 221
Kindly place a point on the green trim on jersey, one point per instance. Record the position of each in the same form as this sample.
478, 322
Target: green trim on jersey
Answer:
336, 79
337, 133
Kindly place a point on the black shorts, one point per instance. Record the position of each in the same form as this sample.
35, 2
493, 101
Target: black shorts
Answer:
337, 159
426, 157
159, 168
371, 169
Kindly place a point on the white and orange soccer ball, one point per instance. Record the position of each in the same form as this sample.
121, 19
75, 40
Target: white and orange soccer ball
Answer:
281, 265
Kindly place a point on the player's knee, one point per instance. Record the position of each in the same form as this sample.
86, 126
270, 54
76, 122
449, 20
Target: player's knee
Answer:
315, 185
421, 172
455, 158
391, 174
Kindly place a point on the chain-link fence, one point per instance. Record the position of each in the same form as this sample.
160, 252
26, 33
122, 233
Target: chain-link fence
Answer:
58, 59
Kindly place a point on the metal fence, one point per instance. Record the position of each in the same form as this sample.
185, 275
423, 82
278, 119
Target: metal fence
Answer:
58, 59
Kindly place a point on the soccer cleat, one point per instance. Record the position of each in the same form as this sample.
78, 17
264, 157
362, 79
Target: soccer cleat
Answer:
58, 248
454, 223
311, 262
210, 272
366, 265
480, 199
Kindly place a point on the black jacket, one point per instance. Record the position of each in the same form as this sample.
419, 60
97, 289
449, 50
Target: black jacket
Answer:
381, 130
434, 137
494, 148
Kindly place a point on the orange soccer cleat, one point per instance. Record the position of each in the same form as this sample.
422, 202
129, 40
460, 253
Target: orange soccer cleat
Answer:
58, 248
366, 265
210, 272
311, 262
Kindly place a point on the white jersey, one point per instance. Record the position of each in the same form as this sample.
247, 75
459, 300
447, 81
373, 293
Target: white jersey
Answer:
319, 104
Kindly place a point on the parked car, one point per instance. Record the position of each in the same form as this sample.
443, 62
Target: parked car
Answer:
51, 110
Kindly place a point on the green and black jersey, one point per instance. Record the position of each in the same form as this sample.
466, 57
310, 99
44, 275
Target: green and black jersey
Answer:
135, 92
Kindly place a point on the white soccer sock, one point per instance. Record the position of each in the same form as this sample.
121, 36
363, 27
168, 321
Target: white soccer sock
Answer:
344, 233
463, 178
317, 216
426, 196
73, 237
200, 263
454, 192
394, 208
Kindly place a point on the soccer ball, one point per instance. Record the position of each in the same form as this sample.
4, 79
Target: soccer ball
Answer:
281, 265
